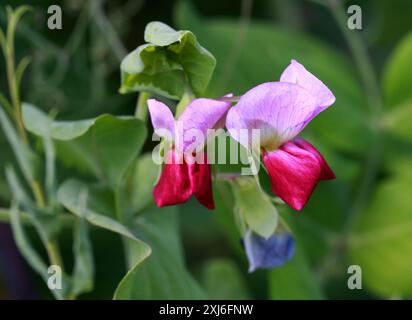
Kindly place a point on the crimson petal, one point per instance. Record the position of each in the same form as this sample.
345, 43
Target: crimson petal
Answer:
294, 172
201, 179
326, 173
174, 186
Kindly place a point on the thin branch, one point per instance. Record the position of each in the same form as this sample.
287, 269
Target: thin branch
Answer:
244, 21
107, 30
67, 219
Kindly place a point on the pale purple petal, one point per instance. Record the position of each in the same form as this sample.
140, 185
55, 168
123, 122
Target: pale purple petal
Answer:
199, 116
279, 110
162, 117
296, 73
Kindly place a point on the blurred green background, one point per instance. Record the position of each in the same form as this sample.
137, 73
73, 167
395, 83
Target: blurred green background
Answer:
362, 218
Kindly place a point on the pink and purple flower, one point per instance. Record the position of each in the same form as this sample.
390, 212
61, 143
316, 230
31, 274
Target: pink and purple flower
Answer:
186, 171
281, 110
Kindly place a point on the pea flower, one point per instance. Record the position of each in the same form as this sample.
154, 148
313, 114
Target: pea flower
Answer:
268, 253
186, 171
281, 110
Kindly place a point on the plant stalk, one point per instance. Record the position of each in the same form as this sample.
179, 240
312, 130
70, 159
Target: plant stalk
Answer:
141, 106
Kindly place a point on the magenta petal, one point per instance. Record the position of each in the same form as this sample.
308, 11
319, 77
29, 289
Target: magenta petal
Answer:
201, 179
162, 117
296, 73
279, 110
326, 173
174, 185
199, 116
294, 173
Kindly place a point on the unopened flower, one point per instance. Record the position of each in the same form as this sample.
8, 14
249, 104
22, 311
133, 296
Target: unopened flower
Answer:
186, 171
281, 110
265, 253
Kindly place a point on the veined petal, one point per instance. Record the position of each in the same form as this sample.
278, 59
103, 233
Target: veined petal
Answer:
279, 110
161, 116
268, 253
201, 179
294, 173
199, 116
326, 172
174, 185
296, 73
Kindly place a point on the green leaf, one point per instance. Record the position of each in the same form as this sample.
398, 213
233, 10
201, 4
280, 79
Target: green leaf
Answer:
255, 206
40, 124
163, 275
74, 194
140, 183
294, 280
106, 145
398, 121
223, 280
160, 34
380, 242
148, 68
397, 78
162, 65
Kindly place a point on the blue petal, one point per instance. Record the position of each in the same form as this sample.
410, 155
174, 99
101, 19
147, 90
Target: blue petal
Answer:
268, 253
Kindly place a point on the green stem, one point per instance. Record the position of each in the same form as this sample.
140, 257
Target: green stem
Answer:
52, 246
53, 253
364, 65
14, 91
107, 29
66, 219
141, 106
187, 97
360, 55
238, 42
124, 219
38, 194
13, 78
6, 104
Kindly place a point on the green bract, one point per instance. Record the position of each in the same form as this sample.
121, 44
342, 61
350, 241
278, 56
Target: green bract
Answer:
170, 62
254, 207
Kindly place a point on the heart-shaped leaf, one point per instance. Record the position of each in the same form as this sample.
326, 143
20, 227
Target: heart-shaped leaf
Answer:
106, 145
163, 64
163, 275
